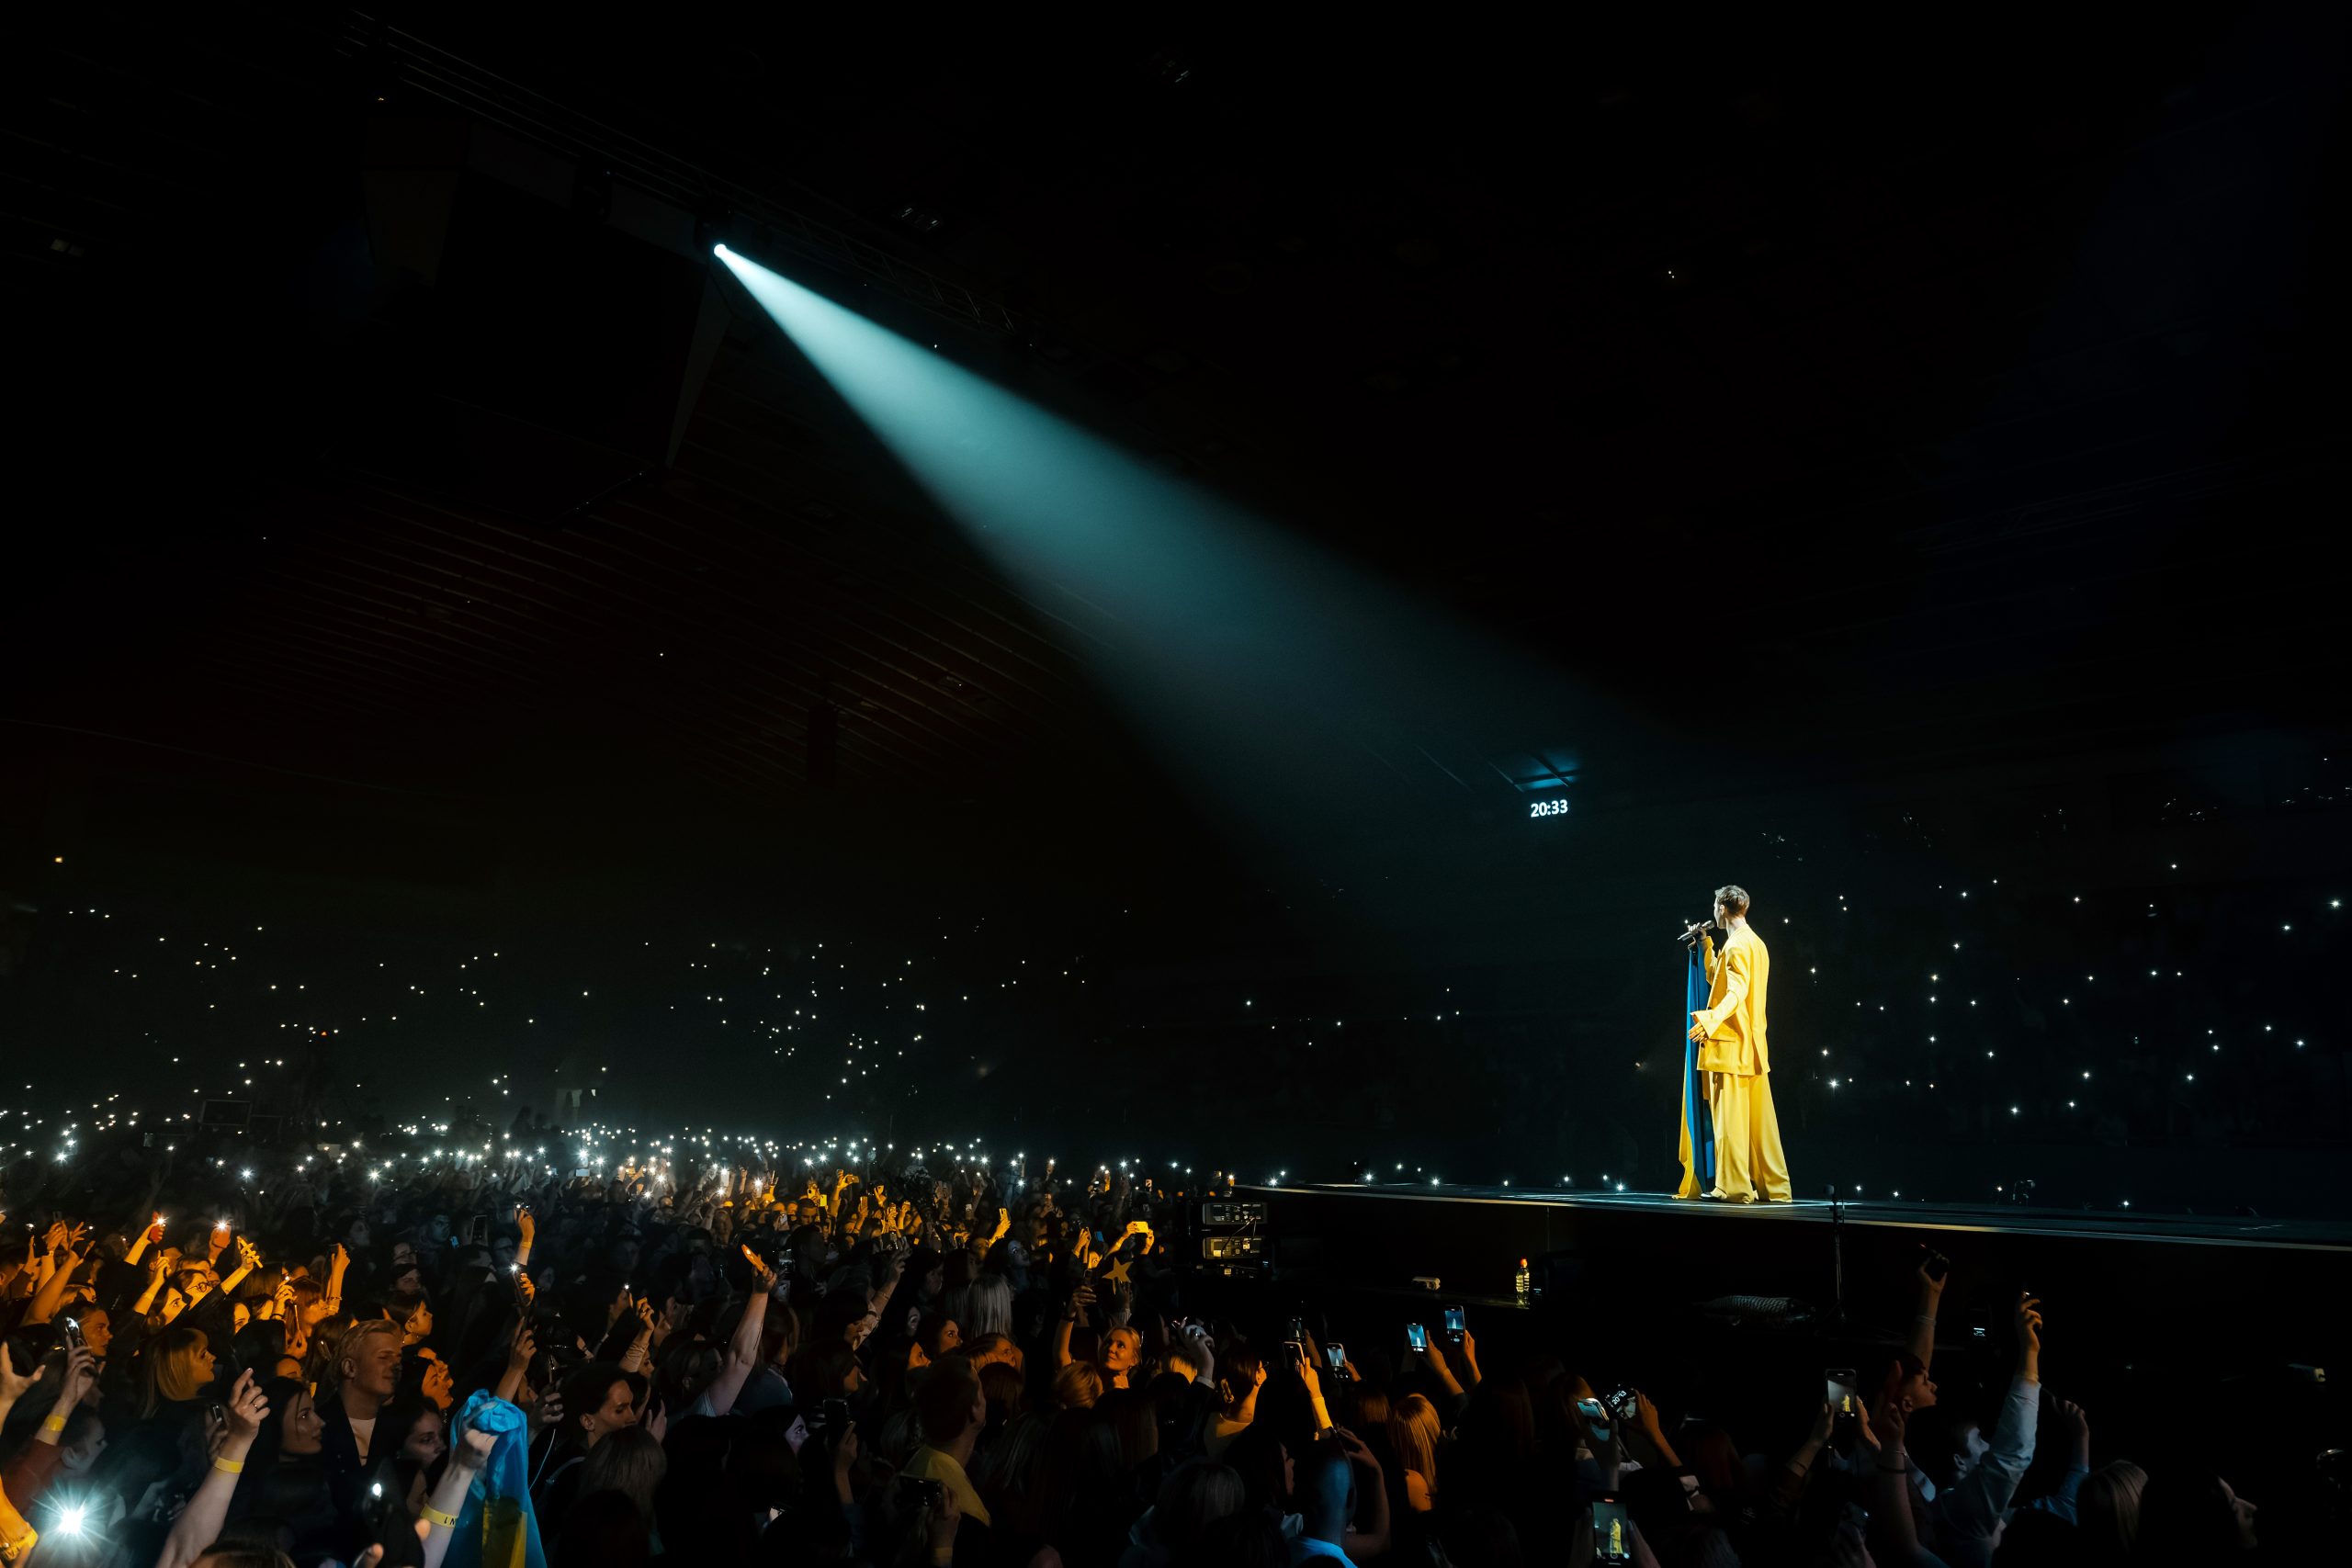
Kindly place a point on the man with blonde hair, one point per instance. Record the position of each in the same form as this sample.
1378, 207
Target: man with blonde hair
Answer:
1735, 1059
366, 1374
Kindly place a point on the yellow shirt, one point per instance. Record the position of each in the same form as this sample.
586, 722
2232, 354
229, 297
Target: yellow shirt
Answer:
930, 1464
1734, 1016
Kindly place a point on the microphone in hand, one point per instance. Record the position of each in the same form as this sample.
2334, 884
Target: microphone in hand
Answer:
1690, 933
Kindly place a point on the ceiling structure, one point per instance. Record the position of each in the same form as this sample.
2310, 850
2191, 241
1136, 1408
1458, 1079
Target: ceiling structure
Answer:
1933, 393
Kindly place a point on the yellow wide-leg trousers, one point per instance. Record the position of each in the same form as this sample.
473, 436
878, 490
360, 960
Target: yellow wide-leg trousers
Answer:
1750, 1163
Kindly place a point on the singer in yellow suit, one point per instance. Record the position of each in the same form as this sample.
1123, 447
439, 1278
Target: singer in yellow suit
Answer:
1736, 1060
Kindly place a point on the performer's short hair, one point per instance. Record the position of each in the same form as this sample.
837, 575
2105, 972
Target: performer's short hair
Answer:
1733, 893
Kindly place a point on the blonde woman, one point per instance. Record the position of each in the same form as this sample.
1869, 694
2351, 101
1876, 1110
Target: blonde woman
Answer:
172, 1370
1414, 1431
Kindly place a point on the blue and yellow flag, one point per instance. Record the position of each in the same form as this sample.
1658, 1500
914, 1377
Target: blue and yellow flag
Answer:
496, 1528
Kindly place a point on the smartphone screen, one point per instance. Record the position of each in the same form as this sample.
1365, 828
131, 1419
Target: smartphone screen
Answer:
1843, 1395
1337, 1354
1612, 1535
1416, 1337
1980, 1324
1454, 1324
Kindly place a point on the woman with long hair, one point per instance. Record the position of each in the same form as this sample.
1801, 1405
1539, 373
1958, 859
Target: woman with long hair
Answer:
1414, 1431
173, 1367
987, 1309
629, 1462
284, 1484
2107, 1511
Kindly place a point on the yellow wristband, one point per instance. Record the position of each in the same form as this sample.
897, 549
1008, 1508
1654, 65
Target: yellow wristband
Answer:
434, 1515
55, 1423
230, 1466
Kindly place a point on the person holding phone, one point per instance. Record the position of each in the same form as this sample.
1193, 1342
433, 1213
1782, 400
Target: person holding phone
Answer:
1421, 1350
1980, 1475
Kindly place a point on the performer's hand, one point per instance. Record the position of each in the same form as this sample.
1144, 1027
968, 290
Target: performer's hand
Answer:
1698, 1027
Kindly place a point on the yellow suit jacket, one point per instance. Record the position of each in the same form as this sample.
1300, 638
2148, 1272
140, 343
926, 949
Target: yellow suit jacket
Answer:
1734, 1016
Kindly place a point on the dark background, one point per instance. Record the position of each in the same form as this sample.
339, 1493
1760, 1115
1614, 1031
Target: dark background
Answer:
1914, 456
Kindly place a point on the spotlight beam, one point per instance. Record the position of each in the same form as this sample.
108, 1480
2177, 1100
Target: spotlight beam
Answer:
1249, 655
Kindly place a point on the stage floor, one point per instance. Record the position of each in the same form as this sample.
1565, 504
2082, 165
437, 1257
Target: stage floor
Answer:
2019, 1220
1635, 1254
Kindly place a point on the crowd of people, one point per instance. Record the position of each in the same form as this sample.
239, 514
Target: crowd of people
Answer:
486, 1362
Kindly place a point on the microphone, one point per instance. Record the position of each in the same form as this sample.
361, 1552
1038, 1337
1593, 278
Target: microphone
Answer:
1690, 933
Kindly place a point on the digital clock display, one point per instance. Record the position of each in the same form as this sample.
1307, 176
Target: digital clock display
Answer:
1547, 809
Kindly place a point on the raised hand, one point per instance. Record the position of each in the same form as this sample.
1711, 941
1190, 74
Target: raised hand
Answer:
845, 1452
2028, 1325
247, 1408
1881, 1434
1823, 1425
473, 1451
81, 1376
945, 1515
12, 1385
2073, 1429
523, 1347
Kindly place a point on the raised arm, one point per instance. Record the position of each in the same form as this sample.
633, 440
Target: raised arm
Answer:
1646, 1419
13, 1384
743, 1350
1370, 1542
199, 1523
1922, 1322
155, 1271
1894, 1533
64, 1263
440, 1515
1973, 1510
248, 1259
893, 1264
81, 1376
519, 1351
152, 1236
333, 1298
1070, 1314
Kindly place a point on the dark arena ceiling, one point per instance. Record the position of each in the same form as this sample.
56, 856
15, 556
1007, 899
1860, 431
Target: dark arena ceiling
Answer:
1984, 399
